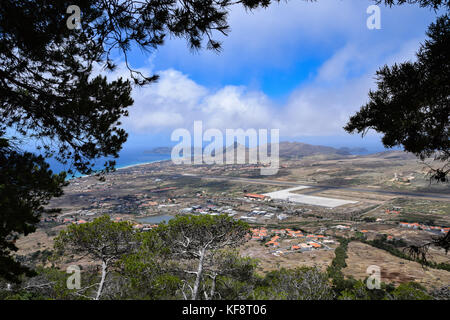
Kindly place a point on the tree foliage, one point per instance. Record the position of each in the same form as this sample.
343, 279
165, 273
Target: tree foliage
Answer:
433, 4
357, 290
150, 272
150, 266
198, 240
192, 258
102, 239
411, 106
26, 185
52, 95
410, 291
48, 88
303, 283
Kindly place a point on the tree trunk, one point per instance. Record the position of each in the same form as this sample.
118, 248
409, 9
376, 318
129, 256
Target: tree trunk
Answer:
213, 287
102, 281
198, 275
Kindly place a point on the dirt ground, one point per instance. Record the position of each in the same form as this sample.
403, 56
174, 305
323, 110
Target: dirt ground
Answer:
393, 269
268, 262
38, 240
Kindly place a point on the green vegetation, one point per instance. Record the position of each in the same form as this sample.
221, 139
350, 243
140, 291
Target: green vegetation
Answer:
51, 96
427, 206
352, 289
302, 283
357, 290
74, 115
418, 92
405, 291
103, 240
190, 257
334, 271
392, 246
410, 291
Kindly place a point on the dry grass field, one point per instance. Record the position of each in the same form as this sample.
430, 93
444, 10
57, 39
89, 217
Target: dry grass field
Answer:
393, 269
269, 262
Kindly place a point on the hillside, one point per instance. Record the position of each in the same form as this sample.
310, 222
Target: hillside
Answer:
296, 150
287, 150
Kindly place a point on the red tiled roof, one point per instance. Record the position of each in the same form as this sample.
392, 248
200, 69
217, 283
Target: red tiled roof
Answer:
254, 195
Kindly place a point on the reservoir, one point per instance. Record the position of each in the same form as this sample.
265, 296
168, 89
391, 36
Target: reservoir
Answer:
155, 219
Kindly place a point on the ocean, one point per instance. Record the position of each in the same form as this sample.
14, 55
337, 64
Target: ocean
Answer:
126, 158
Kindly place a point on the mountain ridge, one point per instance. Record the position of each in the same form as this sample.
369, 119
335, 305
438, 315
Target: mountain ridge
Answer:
290, 150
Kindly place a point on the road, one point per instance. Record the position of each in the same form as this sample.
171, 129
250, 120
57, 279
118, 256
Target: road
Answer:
321, 188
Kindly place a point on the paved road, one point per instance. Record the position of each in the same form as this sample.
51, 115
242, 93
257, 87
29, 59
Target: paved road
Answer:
437, 196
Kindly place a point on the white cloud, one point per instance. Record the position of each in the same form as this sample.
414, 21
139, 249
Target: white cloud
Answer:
320, 108
269, 39
292, 32
236, 107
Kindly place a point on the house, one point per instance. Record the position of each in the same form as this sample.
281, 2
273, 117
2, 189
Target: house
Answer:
273, 242
259, 234
392, 211
409, 225
148, 227
148, 204
268, 216
305, 247
341, 227
278, 253
246, 218
314, 245
255, 196
294, 234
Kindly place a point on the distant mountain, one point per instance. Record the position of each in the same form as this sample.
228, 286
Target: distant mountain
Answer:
394, 154
357, 150
159, 150
296, 150
289, 150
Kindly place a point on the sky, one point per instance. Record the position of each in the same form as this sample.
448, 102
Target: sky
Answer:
303, 68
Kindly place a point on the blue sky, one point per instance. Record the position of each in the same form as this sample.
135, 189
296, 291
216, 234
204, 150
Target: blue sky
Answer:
298, 66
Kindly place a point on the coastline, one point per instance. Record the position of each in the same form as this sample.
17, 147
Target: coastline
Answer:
120, 168
140, 164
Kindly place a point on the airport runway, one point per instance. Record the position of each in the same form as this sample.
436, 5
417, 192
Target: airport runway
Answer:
436, 196
288, 195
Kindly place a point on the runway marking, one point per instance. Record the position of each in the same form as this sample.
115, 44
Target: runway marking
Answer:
287, 195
